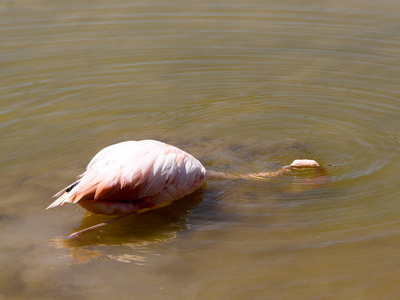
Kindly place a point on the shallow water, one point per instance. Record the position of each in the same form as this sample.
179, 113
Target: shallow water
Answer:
245, 86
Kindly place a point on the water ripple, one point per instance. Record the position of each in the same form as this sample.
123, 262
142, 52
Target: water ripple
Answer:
253, 88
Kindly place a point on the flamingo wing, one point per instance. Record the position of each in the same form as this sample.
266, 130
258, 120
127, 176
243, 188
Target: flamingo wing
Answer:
135, 170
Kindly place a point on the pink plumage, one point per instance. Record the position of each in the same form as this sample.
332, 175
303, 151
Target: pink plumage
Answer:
134, 176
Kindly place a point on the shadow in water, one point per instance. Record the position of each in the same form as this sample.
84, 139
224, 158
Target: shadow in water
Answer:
133, 233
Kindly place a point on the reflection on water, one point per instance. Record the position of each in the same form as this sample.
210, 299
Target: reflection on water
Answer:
133, 232
244, 86
83, 254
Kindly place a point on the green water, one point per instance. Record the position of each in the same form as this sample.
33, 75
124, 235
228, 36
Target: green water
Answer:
244, 86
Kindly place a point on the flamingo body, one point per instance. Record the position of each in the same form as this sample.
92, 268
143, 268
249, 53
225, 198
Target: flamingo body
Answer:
134, 176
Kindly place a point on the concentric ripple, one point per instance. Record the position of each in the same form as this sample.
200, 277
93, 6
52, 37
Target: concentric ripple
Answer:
246, 87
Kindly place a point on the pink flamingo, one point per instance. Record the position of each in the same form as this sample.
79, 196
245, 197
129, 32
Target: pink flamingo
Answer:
137, 176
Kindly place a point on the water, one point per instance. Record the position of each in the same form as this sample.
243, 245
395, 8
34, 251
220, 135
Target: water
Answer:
245, 86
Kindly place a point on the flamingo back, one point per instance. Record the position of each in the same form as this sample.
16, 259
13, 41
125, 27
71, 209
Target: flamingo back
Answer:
133, 171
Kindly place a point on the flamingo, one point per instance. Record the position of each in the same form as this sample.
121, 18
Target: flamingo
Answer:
137, 176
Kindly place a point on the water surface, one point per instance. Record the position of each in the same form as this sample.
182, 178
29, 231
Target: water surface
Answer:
245, 86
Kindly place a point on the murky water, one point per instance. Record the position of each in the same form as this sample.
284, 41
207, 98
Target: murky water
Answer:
245, 86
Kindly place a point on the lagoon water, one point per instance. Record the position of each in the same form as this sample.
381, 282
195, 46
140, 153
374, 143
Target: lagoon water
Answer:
244, 86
